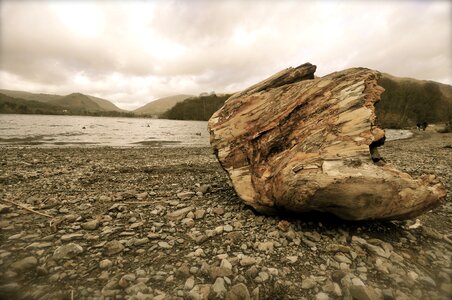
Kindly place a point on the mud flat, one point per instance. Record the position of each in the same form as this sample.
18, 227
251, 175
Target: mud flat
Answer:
164, 223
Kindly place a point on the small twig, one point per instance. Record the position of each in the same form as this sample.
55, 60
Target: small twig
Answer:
28, 209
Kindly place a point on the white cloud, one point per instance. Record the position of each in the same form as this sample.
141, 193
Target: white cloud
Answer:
135, 51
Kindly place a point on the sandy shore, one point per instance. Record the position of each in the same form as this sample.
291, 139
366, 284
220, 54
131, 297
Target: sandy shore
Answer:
164, 223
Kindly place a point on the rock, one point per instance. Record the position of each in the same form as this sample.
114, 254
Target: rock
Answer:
105, 263
113, 247
24, 264
446, 288
223, 271
362, 292
322, 296
292, 259
125, 280
238, 292
226, 264
164, 245
189, 283
90, 225
308, 283
218, 290
299, 143
10, 290
185, 195
199, 213
67, 251
265, 246
71, 237
179, 214
247, 261
218, 211
4, 209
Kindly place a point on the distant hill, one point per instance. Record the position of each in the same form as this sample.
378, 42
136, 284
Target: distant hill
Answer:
30, 96
10, 105
196, 108
72, 104
407, 101
159, 106
77, 101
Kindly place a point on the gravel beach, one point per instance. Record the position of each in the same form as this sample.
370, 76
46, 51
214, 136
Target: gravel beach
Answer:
165, 223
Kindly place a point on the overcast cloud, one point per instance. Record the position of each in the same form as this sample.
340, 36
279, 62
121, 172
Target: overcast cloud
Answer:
132, 52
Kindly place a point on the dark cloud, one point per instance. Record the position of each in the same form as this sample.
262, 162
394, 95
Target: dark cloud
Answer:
132, 52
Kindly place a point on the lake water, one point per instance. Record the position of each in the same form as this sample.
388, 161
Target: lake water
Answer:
44, 130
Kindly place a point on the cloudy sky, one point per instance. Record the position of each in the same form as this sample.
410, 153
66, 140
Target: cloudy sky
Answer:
132, 52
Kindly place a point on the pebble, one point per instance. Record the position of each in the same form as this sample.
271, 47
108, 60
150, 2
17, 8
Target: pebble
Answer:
105, 263
238, 292
67, 251
247, 261
90, 225
71, 237
308, 283
113, 247
164, 245
218, 289
24, 264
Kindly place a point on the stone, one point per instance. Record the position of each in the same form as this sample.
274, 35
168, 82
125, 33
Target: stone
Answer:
308, 283
189, 283
292, 259
362, 292
265, 246
113, 247
228, 228
90, 225
218, 289
299, 143
71, 237
215, 272
164, 245
199, 213
238, 292
185, 195
4, 209
247, 261
24, 264
67, 251
105, 263
179, 214
322, 296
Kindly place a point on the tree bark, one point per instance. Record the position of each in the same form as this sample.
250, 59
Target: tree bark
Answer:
299, 143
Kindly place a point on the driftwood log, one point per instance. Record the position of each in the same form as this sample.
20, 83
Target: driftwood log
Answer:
298, 143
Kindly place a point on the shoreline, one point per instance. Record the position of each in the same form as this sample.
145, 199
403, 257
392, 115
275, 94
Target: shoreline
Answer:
164, 223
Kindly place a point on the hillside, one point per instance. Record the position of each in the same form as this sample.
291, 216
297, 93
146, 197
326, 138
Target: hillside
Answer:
10, 105
196, 108
77, 101
30, 96
103, 104
407, 101
159, 106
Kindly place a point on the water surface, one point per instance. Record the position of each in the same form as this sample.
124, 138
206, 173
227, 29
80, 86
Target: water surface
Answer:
44, 130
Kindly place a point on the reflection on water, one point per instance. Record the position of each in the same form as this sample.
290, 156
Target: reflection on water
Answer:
46, 130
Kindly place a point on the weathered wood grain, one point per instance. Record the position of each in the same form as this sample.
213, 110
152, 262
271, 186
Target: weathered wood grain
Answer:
299, 143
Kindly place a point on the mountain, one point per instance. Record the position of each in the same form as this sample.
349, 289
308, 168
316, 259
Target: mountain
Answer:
196, 108
408, 101
105, 104
159, 106
10, 105
74, 100
30, 96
